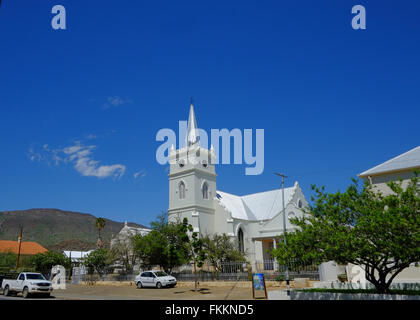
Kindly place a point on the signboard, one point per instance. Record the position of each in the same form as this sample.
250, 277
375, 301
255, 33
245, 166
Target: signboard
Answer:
258, 284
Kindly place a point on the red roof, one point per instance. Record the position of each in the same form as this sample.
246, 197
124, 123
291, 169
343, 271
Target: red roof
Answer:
27, 248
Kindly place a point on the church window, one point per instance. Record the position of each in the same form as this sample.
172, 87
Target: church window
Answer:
300, 203
205, 190
241, 240
181, 190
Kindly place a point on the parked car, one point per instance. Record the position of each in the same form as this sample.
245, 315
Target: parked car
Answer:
155, 278
27, 283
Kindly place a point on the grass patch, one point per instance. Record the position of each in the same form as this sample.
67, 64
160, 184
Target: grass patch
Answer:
366, 291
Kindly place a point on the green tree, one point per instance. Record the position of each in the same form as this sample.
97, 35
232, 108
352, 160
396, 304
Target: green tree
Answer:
43, 262
164, 245
195, 248
100, 224
98, 260
221, 249
8, 260
381, 233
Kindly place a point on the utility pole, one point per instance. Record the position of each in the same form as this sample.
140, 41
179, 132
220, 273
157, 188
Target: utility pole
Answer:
284, 229
20, 244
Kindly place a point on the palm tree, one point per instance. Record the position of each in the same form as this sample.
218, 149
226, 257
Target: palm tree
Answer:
100, 224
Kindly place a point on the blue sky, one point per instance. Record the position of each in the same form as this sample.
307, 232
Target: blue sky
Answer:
333, 101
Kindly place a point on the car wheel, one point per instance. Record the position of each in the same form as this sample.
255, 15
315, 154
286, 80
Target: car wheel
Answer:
25, 292
158, 285
139, 285
6, 291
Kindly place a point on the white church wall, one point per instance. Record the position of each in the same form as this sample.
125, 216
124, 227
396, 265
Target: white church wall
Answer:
258, 250
175, 201
222, 221
199, 179
178, 216
206, 222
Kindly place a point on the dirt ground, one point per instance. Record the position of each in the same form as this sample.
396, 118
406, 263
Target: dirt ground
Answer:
127, 292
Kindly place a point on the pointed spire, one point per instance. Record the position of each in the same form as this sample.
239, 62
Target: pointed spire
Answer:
192, 130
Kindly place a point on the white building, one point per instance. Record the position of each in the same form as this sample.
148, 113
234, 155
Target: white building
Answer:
123, 239
255, 220
401, 167
76, 256
127, 233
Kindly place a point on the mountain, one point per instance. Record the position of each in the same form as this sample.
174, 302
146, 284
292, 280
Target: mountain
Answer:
55, 228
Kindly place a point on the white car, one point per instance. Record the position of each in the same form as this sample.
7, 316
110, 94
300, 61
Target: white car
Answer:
27, 283
154, 278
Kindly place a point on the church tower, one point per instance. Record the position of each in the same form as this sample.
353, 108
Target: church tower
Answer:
192, 181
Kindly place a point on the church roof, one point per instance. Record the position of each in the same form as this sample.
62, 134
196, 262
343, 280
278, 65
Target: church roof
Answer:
192, 130
407, 160
256, 206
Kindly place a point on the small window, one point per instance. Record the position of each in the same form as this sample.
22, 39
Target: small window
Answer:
204, 163
181, 188
22, 277
205, 190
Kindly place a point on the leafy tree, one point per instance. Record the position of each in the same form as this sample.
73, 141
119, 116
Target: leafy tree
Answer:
43, 262
164, 245
98, 260
8, 260
194, 245
221, 249
381, 233
100, 224
150, 249
123, 251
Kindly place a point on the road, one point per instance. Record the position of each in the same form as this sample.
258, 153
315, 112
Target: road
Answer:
127, 292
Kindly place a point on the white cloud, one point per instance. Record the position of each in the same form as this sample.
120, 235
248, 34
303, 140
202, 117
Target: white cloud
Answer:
81, 157
91, 136
34, 156
140, 174
115, 101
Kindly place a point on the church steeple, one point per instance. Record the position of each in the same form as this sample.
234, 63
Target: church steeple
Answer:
192, 130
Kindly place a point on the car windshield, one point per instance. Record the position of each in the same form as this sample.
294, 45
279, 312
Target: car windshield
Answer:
160, 274
34, 276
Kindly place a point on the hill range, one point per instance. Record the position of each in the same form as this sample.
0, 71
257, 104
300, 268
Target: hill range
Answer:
57, 229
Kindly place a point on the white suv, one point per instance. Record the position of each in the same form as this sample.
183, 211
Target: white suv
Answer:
155, 278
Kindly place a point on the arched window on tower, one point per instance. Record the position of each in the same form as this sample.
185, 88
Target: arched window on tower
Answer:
241, 240
205, 190
181, 190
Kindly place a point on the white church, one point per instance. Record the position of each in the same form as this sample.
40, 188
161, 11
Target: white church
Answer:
255, 220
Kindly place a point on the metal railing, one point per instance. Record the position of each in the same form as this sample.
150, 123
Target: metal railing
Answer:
224, 271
